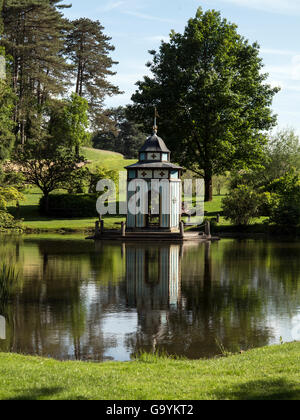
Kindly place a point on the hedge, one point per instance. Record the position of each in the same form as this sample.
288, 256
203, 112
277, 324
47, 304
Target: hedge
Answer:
69, 205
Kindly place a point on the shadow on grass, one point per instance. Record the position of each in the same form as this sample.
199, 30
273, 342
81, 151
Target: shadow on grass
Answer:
276, 389
43, 393
36, 393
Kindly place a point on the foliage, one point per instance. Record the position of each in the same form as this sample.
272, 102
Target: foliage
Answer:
88, 49
220, 183
100, 173
281, 157
33, 37
69, 123
7, 103
47, 165
211, 95
69, 205
8, 194
8, 222
286, 209
242, 205
124, 136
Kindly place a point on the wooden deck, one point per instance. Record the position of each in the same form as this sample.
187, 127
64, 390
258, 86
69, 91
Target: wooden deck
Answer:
153, 236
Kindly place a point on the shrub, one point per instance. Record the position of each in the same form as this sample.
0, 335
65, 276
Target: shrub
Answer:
286, 209
242, 205
8, 222
69, 205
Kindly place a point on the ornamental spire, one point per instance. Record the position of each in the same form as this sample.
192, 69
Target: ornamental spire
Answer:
155, 128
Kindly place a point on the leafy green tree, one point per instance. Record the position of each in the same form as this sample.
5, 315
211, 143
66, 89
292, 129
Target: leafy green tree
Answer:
286, 207
281, 158
69, 122
211, 95
47, 165
88, 49
124, 136
7, 103
100, 173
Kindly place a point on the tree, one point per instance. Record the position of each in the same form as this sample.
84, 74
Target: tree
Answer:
69, 122
34, 33
88, 49
125, 136
7, 103
281, 157
211, 95
47, 165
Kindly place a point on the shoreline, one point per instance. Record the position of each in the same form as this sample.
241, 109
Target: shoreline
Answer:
266, 373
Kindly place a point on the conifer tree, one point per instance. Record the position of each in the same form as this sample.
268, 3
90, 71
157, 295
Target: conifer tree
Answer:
89, 50
34, 33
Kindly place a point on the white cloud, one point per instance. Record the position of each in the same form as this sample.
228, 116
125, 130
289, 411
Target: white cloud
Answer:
289, 71
157, 38
111, 5
148, 17
272, 51
273, 6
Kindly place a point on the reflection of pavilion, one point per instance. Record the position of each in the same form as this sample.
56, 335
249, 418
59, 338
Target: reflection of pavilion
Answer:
153, 274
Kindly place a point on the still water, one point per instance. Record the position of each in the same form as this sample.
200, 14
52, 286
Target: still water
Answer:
75, 299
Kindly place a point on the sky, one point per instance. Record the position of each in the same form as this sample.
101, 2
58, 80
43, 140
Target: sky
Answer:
136, 26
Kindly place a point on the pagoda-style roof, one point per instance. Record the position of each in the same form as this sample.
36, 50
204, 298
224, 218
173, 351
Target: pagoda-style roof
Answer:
153, 165
155, 144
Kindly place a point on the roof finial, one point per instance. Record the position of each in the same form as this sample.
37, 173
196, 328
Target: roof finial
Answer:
155, 128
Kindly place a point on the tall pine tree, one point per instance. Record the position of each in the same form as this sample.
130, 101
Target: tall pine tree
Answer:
34, 33
88, 48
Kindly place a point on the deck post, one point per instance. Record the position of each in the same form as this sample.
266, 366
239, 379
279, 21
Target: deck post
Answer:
181, 229
97, 229
207, 229
123, 229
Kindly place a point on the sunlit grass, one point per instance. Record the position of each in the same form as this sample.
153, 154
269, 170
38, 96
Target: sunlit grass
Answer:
269, 373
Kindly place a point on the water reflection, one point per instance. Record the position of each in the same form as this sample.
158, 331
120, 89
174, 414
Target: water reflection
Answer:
107, 301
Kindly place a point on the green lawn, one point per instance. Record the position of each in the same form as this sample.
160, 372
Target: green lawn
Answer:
33, 221
109, 160
269, 373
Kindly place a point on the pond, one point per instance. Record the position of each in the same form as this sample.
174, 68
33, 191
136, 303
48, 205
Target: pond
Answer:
75, 299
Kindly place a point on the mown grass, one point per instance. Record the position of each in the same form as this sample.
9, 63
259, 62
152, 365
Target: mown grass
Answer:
33, 221
109, 160
270, 373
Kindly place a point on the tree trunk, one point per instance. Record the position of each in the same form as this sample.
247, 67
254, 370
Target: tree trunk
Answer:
46, 195
208, 188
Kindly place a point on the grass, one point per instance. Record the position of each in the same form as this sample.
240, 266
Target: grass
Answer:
29, 211
34, 222
109, 160
270, 373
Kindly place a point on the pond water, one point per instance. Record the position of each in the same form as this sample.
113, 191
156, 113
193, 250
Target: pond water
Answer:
75, 299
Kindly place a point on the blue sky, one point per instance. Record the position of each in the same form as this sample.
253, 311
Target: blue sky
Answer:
139, 25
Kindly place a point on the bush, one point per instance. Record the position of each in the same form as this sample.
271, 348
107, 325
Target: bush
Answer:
8, 222
286, 209
69, 205
242, 205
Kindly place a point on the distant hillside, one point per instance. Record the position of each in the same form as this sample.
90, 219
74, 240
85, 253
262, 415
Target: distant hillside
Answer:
109, 160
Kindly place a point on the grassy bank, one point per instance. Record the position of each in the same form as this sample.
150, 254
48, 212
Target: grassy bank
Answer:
33, 221
268, 373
